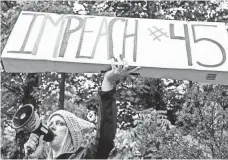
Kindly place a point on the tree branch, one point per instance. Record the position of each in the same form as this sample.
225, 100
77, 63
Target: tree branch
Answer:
4, 25
7, 114
11, 90
19, 75
7, 4
62, 90
143, 111
213, 130
209, 130
122, 85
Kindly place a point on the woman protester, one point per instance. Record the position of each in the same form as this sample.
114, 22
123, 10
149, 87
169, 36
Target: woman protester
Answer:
69, 129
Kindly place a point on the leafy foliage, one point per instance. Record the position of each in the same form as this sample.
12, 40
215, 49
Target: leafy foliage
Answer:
204, 117
157, 118
154, 137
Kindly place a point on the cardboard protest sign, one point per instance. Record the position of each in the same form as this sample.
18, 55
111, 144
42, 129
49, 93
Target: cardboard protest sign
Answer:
43, 42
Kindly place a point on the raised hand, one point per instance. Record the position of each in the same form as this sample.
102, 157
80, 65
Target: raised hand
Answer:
116, 73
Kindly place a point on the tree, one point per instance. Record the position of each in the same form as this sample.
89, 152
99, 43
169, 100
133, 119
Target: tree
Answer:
204, 117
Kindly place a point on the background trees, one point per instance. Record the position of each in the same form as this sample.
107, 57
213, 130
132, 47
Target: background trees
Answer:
157, 118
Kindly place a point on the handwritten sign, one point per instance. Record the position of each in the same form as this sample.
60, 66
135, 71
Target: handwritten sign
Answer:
43, 42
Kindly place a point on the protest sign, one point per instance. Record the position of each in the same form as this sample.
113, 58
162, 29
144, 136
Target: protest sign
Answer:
43, 42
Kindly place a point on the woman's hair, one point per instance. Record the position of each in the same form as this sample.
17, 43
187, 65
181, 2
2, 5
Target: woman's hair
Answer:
75, 128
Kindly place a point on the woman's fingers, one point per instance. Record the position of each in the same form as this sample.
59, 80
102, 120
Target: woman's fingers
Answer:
113, 64
32, 142
36, 149
133, 70
125, 64
41, 140
120, 66
120, 63
34, 137
32, 149
29, 146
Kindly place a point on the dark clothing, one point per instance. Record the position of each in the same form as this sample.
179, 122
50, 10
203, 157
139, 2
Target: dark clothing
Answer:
106, 130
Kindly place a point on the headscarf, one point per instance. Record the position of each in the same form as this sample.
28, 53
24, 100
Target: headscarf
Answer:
75, 129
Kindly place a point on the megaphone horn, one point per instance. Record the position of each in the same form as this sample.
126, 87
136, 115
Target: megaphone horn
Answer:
28, 119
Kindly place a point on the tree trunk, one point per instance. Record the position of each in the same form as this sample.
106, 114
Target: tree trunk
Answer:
22, 135
151, 9
62, 90
32, 81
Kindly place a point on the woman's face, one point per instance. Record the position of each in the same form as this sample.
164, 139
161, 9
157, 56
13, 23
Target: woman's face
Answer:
59, 128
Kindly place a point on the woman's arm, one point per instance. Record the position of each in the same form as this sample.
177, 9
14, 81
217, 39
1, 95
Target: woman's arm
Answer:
107, 112
106, 128
107, 122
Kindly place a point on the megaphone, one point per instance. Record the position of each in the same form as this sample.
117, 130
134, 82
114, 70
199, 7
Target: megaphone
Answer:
28, 119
